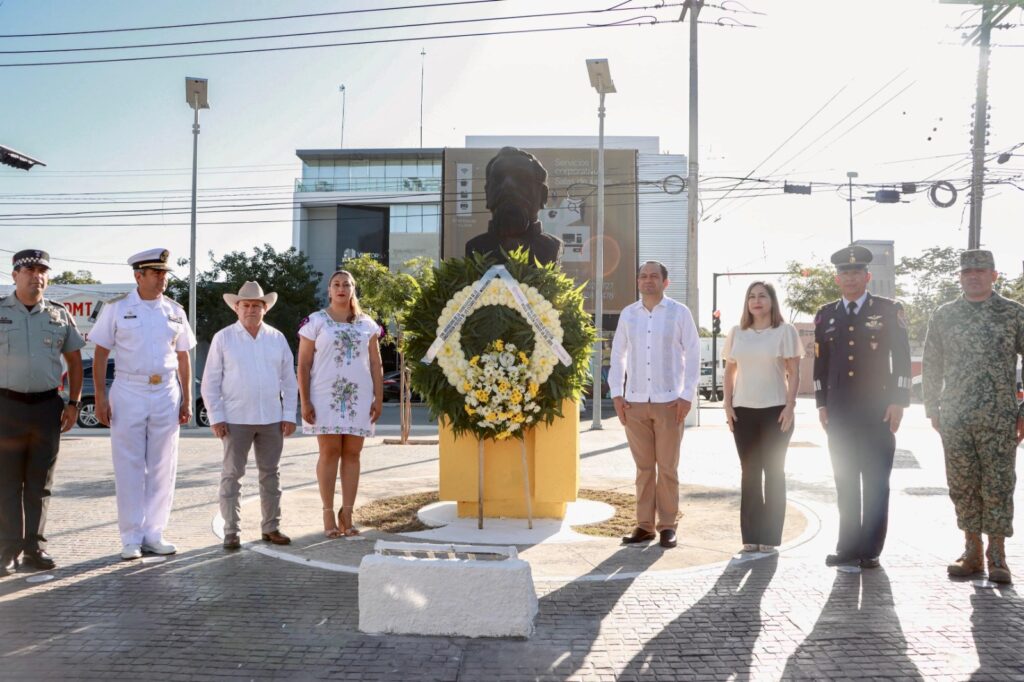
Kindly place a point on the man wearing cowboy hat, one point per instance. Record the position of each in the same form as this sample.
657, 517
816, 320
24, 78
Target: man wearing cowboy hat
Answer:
249, 390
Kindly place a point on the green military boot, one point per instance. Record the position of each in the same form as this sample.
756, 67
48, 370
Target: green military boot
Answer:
971, 561
998, 571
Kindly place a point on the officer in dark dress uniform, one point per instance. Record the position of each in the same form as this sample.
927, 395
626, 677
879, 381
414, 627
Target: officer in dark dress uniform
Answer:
34, 334
861, 385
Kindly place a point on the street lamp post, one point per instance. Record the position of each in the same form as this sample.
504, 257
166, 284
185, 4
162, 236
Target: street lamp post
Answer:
195, 96
850, 175
341, 89
600, 80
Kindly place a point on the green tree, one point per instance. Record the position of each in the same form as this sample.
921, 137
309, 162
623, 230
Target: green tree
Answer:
933, 279
808, 287
387, 295
1013, 288
288, 273
77, 277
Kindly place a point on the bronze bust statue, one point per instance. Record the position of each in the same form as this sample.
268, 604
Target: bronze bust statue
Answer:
516, 190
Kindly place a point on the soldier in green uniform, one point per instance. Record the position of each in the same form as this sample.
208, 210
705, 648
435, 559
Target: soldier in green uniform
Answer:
34, 334
969, 382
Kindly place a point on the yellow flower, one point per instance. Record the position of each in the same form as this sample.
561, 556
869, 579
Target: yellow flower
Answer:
469, 410
504, 386
499, 345
475, 359
481, 395
517, 398
466, 386
534, 388
519, 419
522, 357
491, 416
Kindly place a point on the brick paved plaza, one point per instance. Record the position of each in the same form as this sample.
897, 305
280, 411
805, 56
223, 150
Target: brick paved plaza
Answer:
209, 614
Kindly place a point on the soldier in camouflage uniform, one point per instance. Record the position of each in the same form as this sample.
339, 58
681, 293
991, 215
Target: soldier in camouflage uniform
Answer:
970, 363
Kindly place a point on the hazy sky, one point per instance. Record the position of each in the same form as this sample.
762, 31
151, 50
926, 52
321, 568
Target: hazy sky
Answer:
122, 131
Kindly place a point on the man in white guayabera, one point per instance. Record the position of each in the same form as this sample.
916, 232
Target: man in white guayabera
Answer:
656, 355
249, 390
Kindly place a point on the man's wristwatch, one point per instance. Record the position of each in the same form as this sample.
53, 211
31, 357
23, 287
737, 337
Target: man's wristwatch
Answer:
75, 403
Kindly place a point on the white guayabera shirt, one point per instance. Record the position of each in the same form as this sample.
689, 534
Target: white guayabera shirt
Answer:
250, 380
655, 354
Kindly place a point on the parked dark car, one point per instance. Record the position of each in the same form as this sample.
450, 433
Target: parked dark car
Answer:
87, 418
392, 388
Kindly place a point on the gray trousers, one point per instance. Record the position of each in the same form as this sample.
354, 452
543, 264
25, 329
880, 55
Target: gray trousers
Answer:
267, 442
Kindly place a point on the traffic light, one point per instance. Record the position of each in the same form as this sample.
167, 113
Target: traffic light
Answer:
716, 323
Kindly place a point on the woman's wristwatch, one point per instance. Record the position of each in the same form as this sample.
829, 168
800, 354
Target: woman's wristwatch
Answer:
77, 404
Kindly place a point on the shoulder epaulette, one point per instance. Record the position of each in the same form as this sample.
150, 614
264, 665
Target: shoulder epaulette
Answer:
119, 297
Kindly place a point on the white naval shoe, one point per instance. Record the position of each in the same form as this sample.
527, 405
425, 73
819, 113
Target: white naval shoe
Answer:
129, 552
159, 547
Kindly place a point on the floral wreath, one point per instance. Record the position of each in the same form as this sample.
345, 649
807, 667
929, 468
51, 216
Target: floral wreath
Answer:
492, 377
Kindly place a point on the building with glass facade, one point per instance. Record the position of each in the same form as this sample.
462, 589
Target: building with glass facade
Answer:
386, 202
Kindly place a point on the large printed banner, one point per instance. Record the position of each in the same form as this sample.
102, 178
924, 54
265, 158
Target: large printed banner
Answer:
570, 214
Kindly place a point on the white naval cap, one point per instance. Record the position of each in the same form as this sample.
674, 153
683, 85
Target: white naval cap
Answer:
154, 259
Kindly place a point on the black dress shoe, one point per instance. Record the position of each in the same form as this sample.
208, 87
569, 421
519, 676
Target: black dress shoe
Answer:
841, 559
668, 538
870, 562
231, 541
8, 564
639, 535
38, 559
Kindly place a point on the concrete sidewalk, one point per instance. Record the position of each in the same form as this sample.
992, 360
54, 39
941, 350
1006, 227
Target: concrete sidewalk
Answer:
207, 614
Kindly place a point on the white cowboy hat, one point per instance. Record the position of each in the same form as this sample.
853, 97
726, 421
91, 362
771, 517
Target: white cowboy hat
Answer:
251, 291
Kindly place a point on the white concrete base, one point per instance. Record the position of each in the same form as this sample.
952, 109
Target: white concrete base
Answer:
453, 597
448, 527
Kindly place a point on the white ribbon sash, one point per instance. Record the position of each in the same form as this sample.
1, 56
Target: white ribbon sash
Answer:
499, 271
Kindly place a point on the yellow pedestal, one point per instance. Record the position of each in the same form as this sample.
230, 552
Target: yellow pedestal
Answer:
552, 457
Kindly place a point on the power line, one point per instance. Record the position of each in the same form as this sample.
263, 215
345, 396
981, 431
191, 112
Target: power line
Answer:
651, 21
784, 142
249, 20
356, 29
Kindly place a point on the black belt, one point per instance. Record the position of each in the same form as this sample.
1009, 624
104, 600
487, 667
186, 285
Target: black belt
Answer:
28, 397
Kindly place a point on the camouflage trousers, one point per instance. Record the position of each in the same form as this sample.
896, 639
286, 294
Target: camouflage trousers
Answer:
981, 459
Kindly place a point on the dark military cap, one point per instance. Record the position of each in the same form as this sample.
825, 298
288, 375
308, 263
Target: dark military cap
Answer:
31, 257
851, 257
977, 259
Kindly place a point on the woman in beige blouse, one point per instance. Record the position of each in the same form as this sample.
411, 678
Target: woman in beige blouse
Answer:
762, 375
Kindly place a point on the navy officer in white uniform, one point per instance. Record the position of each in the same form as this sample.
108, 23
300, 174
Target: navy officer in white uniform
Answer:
150, 398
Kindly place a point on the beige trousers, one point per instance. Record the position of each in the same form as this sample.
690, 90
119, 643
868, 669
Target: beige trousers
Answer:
654, 437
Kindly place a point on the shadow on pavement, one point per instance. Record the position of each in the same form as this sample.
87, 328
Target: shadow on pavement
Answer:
724, 624
857, 632
994, 613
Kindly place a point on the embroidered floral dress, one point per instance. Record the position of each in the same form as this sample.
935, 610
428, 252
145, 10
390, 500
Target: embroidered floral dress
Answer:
341, 388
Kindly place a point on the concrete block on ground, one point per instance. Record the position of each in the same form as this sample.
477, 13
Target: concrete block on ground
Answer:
442, 589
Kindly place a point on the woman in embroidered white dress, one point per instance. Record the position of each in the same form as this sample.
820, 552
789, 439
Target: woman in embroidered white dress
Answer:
341, 388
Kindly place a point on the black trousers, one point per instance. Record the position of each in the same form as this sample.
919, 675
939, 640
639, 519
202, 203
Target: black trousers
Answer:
762, 447
862, 452
29, 441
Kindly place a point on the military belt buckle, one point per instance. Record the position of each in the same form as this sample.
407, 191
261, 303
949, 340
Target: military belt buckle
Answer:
155, 379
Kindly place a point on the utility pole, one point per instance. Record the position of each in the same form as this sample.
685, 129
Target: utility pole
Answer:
692, 198
850, 175
980, 131
423, 62
992, 12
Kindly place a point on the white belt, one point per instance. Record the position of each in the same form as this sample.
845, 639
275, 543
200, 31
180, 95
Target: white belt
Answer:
152, 379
